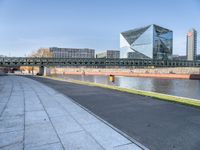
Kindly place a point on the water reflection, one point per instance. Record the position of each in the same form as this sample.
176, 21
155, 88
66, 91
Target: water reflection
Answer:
178, 87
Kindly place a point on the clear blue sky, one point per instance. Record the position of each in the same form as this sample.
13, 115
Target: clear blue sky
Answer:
26, 25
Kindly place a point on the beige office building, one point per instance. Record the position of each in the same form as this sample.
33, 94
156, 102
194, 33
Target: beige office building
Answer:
191, 48
72, 52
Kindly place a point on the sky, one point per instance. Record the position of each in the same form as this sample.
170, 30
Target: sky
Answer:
27, 25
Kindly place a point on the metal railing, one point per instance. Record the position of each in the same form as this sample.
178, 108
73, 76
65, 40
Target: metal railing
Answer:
30, 61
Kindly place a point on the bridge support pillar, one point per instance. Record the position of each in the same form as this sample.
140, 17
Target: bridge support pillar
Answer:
42, 70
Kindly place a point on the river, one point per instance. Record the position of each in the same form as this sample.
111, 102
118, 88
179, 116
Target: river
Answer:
177, 87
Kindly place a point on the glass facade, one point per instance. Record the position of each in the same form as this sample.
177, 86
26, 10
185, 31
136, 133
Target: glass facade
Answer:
109, 54
72, 52
153, 42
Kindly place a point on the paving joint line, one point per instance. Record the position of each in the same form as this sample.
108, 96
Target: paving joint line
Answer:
11, 144
44, 144
110, 125
21, 85
74, 118
8, 99
11, 131
124, 144
49, 118
81, 126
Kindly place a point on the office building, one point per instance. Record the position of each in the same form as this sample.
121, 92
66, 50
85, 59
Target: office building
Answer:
72, 52
179, 57
198, 57
109, 54
191, 50
149, 42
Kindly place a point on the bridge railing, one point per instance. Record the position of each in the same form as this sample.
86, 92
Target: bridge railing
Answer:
32, 61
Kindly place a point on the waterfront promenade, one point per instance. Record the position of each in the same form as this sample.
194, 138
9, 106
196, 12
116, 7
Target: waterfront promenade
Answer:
36, 117
159, 125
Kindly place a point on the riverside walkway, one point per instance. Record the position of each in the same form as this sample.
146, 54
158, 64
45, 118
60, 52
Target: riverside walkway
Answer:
159, 125
36, 117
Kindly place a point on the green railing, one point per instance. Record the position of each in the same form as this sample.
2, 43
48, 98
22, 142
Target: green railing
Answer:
28, 61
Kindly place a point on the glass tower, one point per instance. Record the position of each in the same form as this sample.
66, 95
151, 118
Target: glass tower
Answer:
150, 42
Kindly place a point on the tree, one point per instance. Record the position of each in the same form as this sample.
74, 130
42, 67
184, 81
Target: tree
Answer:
42, 52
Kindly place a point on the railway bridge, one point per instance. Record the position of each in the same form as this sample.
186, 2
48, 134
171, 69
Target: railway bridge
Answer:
99, 62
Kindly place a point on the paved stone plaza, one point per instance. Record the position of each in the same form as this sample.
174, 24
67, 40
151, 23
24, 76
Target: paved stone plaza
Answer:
36, 117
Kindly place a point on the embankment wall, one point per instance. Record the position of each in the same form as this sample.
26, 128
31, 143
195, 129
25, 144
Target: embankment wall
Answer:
182, 72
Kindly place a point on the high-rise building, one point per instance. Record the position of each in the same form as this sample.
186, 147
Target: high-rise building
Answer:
109, 54
72, 52
149, 42
191, 48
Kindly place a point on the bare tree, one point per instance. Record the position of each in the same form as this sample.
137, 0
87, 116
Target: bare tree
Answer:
42, 52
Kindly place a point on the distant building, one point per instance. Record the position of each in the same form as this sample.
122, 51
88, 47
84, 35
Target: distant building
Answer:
109, 54
149, 42
178, 57
198, 57
72, 52
191, 47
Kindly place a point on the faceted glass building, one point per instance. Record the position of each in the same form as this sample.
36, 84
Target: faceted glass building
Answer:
150, 42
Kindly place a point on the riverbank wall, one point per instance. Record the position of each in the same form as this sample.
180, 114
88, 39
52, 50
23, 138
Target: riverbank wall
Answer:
178, 73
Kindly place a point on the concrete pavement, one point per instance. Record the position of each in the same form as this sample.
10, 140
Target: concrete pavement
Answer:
36, 117
159, 125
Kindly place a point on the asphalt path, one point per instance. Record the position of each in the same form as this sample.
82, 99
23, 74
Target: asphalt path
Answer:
158, 125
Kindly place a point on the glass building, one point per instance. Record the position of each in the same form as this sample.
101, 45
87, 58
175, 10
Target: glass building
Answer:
109, 54
150, 42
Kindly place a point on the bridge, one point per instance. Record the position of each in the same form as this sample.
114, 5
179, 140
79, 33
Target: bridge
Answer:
43, 62
33, 61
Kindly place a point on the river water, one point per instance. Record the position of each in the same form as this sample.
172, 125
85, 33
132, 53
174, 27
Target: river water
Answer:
177, 87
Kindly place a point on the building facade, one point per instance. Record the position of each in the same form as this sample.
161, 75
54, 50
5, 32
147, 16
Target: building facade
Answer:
178, 57
109, 54
150, 42
191, 47
198, 57
72, 52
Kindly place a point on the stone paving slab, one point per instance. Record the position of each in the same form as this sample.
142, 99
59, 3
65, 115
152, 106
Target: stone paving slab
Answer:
39, 134
11, 138
17, 146
36, 117
80, 140
9, 125
51, 146
65, 125
105, 136
126, 147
